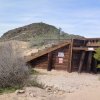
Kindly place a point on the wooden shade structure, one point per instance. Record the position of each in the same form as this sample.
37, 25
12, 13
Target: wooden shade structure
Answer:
70, 55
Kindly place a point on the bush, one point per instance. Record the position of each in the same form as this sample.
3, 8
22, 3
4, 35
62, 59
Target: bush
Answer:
35, 83
97, 54
13, 70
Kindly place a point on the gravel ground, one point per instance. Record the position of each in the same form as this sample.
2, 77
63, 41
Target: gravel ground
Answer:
68, 82
60, 85
31, 93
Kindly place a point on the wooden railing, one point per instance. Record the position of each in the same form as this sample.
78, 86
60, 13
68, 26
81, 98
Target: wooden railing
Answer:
93, 44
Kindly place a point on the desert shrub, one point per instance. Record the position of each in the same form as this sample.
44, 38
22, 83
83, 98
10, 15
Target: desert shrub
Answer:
34, 72
35, 83
13, 70
97, 54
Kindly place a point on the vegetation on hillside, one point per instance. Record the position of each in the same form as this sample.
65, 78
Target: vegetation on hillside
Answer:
36, 32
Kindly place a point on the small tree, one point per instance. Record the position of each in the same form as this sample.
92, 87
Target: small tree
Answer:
97, 56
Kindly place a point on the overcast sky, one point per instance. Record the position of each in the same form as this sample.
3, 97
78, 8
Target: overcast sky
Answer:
80, 17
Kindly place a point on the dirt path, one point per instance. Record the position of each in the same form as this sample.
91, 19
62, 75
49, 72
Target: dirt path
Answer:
62, 86
69, 82
85, 94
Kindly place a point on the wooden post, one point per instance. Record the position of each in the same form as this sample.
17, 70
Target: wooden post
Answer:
70, 58
89, 61
81, 61
49, 61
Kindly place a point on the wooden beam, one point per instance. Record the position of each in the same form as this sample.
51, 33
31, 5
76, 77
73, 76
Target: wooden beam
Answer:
70, 58
45, 51
49, 61
81, 61
89, 61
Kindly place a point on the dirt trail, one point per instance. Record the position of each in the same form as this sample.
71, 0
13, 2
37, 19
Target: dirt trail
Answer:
76, 86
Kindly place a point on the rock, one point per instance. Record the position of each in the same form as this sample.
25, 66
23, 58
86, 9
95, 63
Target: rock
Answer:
20, 92
49, 89
69, 91
43, 95
32, 95
61, 92
55, 91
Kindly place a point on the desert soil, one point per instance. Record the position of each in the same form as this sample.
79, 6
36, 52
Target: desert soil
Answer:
60, 85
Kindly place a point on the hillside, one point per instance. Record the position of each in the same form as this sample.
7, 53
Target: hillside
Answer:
37, 33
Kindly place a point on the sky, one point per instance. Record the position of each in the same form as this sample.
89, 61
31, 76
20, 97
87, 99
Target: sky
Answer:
81, 17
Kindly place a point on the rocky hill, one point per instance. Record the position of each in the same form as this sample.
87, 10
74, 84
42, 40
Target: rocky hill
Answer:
36, 33
32, 30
